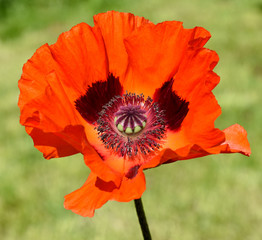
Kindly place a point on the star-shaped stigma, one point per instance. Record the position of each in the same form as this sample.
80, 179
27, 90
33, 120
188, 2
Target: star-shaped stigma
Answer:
130, 119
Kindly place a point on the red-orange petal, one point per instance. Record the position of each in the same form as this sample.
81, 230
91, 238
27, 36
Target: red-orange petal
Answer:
81, 55
52, 80
235, 142
96, 192
50, 115
115, 27
104, 167
196, 69
86, 199
59, 144
155, 53
78, 58
110, 166
131, 188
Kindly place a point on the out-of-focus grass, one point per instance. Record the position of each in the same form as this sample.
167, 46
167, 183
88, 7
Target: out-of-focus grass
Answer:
217, 197
18, 16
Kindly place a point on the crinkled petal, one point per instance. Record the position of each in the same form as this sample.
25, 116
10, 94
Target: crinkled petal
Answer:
78, 58
52, 80
108, 169
105, 163
66, 142
51, 110
52, 122
156, 51
96, 192
108, 166
131, 188
196, 69
81, 55
115, 27
86, 199
235, 142
167, 50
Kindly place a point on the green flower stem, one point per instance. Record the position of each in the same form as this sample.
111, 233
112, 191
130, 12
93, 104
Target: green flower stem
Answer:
142, 219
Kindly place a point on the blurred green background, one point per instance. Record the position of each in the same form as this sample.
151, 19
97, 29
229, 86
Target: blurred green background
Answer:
214, 198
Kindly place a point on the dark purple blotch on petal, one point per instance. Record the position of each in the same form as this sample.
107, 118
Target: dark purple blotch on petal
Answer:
105, 186
96, 96
175, 108
132, 172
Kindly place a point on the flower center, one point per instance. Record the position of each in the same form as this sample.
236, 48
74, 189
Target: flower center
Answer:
129, 125
130, 119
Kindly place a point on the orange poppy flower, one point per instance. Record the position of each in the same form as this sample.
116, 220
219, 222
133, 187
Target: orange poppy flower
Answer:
129, 95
